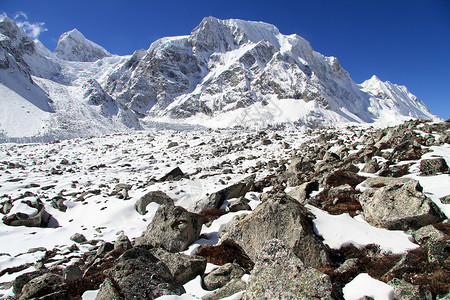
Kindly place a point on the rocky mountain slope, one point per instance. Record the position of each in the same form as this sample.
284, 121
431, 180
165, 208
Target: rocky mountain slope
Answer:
326, 213
225, 73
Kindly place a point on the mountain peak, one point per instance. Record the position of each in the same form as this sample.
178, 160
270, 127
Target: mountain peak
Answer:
74, 46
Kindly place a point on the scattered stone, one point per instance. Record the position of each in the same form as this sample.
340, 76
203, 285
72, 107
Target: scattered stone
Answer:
175, 174
172, 144
407, 291
427, 233
445, 200
371, 166
104, 249
231, 288
240, 204
280, 274
280, 217
302, 192
222, 275
183, 268
215, 200
433, 166
72, 273
41, 219
108, 291
154, 196
172, 228
122, 244
78, 238
399, 205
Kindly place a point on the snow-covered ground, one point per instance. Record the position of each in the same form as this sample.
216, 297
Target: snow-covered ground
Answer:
212, 160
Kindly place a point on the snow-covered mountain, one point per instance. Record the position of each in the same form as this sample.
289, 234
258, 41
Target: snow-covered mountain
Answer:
225, 73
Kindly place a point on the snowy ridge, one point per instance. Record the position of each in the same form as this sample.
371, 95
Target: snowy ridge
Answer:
226, 73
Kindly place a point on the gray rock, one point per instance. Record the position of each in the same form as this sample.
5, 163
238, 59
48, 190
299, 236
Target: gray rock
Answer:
41, 219
348, 265
280, 274
445, 200
44, 285
433, 166
302, 192
183, 268
399, 205
154, 196
108, 291
240, 204
225, 228
231, 288
23, 279
376, 182
122, 243
215, 200
222, 275
427, 233
78, 238
371, 166
406, 291
280, 217
174, 174
438, 251
104, 249
72, 273
172, 228
140, 275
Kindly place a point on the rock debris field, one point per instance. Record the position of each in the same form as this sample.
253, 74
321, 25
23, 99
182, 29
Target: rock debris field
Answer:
330, 213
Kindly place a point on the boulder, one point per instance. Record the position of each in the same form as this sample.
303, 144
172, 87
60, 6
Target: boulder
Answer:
122, 243
231, 288
183, 268
427, 233
302, 192
108, 291
371, 166
240, 204
140, 275
47, 286
41, 219
445, 199
23, 279
222, 275
407, 291
154, 196
377, 182
215, 200
174, 174
280, 274
104, 249
78, 238
72, 273
172, 228
281, 217
399, 205
433, 166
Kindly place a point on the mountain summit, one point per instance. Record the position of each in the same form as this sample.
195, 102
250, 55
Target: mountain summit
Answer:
73, 46
225, 73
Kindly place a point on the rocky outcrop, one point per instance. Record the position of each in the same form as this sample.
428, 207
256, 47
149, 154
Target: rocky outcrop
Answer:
433, 166
283, 218
140, 275
172, 228
400, 204
47, 286
279, 274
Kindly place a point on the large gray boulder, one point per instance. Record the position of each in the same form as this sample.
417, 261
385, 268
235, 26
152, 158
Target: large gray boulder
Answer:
222, 275
406, 291
183, 268
108, 291
154, 196
140, 275
280, 274
47, 286
41, 219
172, 228
302, 192
433, 166
215, 200
399, 205
283, 218
231, 288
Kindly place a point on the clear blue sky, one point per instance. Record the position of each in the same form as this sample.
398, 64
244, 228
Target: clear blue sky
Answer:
403, 41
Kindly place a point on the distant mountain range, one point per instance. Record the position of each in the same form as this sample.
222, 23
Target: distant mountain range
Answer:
226, 73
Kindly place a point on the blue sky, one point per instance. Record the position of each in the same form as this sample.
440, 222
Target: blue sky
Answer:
403, 41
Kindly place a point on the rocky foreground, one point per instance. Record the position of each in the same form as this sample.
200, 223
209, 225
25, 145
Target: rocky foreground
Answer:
214, 214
